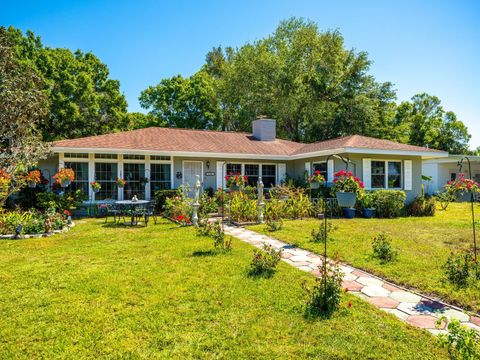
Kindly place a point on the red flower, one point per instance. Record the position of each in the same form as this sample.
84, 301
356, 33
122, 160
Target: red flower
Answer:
346, 289
67, 213
349, 304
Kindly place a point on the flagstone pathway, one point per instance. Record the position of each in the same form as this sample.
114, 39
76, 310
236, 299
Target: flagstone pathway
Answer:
413, 308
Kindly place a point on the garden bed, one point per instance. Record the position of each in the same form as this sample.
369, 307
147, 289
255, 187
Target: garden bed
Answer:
29, 236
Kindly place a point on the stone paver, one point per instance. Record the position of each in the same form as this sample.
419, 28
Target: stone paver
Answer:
407, 306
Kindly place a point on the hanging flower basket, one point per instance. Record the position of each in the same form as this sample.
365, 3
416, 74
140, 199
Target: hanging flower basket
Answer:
96, 187
32, 184
235, 182
33, 178
64, 177
121, 182
316, 180
346, 199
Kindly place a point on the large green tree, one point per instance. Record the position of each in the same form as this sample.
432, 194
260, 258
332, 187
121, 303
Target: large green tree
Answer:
423, 121
83, 99
23, 106
183, 102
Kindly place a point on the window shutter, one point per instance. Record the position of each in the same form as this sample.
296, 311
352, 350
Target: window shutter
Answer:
281, 172
407, 169
220, 175
367, 173
330, 170
308, 168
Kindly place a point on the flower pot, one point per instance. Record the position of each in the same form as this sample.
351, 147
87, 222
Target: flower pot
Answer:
349, 213
368, 213
315, 185
32, 184
346, 199
65, 182
96, 190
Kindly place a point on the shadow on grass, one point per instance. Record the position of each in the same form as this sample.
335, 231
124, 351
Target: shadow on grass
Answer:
203, 253
260, 274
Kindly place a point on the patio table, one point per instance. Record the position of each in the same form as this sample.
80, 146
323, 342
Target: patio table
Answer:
132, 205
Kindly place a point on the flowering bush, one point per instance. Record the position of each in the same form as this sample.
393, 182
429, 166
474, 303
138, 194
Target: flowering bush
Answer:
235, 180
316, 177
33, 222
178, 208
121, 182
462, 185
64, 175
264, 262
344, 181
96, 186
4, 182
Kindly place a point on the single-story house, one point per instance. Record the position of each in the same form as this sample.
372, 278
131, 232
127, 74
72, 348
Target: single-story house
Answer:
444, 169
169, 157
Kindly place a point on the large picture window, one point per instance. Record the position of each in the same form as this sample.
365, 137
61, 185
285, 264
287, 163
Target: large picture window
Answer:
234, 169
81, 176
322, 167
386, 174
269, 175
135, 176
106, 175
159, 177
252, 172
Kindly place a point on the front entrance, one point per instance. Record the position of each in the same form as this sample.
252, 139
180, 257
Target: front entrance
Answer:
190, 170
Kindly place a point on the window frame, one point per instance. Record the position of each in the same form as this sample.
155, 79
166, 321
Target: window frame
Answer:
260, 168
386, 175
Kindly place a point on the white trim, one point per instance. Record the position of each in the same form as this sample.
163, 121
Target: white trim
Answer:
148, 186
367, 173
408, 175
330, 170
91, 175
281, 172
308, 168
260, 168
120, 174
395, 152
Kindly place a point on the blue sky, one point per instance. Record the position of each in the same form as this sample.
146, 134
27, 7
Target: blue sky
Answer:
420, 46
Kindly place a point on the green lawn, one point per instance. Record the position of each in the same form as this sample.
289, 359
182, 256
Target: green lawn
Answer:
157, 292
424, 245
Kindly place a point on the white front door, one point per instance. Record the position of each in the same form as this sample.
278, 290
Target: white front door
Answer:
190, 171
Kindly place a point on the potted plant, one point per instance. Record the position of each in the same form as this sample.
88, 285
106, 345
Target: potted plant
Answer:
346, 188
121, 182
367, 203
95, 186
33, 178
316, 180
64, 177
235, 182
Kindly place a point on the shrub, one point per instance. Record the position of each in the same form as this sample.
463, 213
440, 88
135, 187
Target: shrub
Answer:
161, 197
60, 202
220, 242
422, 206
264, 262
457, 268
242, 208
324, 297
178, 208
445, 198
461, 342
274, 225
382, 248
389, 203
274, 210
33, 222
208, 205
367, 201
319, 235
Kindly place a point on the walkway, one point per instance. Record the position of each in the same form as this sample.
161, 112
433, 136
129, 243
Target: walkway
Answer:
408, 306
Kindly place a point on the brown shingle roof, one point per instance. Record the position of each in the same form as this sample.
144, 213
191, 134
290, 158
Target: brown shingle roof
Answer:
184, 140
187, 140
361, 142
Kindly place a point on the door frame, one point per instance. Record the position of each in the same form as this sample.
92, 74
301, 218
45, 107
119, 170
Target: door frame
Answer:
183, 170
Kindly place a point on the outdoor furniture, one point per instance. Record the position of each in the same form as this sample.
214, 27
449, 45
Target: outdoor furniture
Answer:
114, 210
133, 208
150, 212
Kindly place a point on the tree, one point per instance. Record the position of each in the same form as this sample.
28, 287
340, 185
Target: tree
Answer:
423, 122
83, 100
23, 106
304, 78
183, 102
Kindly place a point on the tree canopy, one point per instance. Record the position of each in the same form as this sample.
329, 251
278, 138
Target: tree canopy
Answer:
23, 106
83, 99
308, 81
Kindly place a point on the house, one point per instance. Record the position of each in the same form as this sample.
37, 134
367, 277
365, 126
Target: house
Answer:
169, 157
444, 169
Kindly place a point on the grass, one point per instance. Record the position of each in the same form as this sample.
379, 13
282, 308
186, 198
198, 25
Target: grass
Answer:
424, 244
161, 292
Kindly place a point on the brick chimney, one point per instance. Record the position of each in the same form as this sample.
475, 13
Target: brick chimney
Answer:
264, 129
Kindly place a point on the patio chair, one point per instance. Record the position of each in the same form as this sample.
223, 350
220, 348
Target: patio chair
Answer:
114, 210
150, 212
140, 212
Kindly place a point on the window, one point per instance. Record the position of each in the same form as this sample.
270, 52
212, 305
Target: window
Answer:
453, 176
252, 172
106, 156
322, 167
159, 158
234, 169
269, 175
76, 155
378, 174
160, 177
386, 174
81, 176
106, 175
133, 157
135, 177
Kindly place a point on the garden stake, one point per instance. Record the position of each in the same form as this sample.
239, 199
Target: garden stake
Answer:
460, 164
